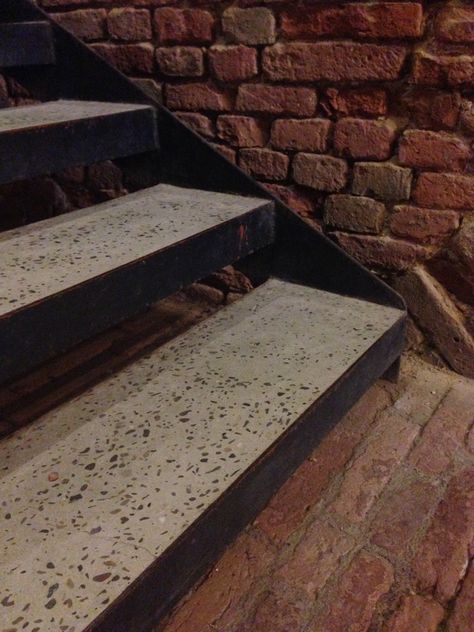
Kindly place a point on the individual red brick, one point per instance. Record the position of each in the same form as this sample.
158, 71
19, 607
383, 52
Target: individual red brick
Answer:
233, 63
129, 58
323, 173
288, 508
381, 251
197, 96
354, 213
402, 515
370, 102
431, 109
180, 61
456, 24
87, 24
249, 26
381, 20
333, 61
439, 317
321, 542
462, 616
183, 25
264, 163
442, 557
295, 198
382, 180
241, 131
374, 467
415, 614
433, 150
276, 100
129, 24
424, 225
443, 190
279, 611
302, 135
355, 596
359, 138
198, 122
444, 435
432, 70
467, 116
240, 566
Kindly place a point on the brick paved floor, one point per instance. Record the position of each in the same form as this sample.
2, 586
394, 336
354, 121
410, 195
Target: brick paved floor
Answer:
375, 531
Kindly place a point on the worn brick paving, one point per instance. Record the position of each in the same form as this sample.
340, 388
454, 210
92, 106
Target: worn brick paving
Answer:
375, 531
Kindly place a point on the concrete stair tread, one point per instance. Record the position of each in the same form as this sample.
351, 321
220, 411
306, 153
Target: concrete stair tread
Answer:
98, 489
26, 44
42, 259
47, 137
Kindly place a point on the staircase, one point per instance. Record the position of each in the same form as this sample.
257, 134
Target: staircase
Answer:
160, 465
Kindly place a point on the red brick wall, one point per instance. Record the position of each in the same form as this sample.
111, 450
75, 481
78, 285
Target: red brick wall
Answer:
360, 115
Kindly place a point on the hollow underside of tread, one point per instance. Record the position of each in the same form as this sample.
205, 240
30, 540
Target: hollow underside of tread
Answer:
98, 489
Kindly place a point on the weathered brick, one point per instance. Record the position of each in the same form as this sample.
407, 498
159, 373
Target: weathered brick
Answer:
382, 251
276, 100
197, 96
129, 24
302, 135
442, 557
180, 61
279, 610
243, 562
297, 199
88, 24
431, 109
183, 25
373, 468
445, 433
355, 597
321, 542
370, 102
249, 26
424, 225
357, 214
402, 515
264, 163
467, 116
288, 508
456, 24
444, 190
433, 150
415, 614
382, 180
422, 392
233, 63
433, 70
241, 131
381, 20
359, 138
198, 122
129, 58
323, 173
438, 316
333, 61
462, 616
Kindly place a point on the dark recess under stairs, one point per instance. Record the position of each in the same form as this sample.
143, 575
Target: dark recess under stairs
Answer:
163, 463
